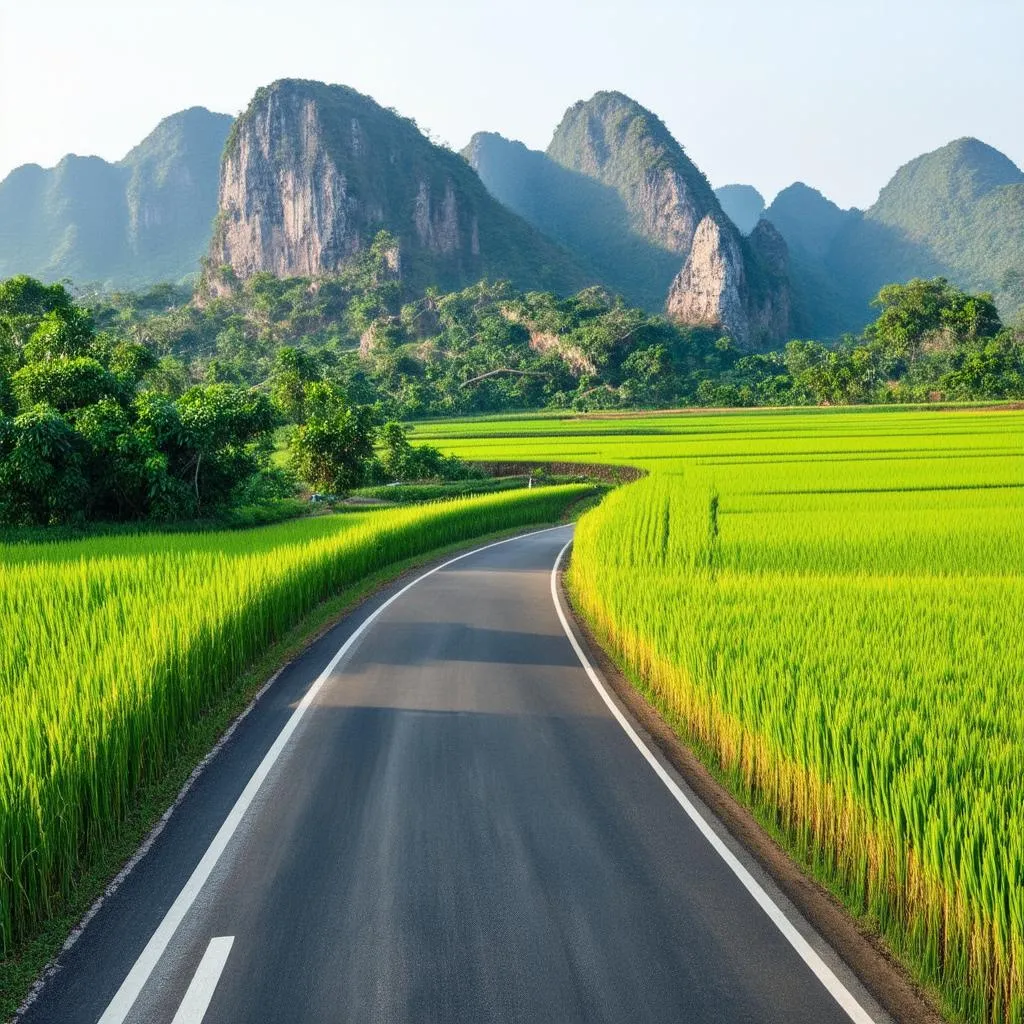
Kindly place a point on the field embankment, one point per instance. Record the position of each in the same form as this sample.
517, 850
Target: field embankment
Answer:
115, 645
827, 606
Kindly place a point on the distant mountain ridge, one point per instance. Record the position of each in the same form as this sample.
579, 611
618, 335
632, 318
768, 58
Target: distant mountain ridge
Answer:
957, 212
312, 172
143, 219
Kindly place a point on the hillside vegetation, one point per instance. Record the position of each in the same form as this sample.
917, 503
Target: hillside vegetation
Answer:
152, 406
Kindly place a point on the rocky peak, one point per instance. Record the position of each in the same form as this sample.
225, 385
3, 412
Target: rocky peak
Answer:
806, 218
737, 285
743, 205
312, 172
709, 290
614, 140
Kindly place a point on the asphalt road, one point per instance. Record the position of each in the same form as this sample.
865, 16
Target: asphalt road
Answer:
456, 828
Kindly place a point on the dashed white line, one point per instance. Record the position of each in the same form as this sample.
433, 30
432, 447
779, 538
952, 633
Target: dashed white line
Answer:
197, 999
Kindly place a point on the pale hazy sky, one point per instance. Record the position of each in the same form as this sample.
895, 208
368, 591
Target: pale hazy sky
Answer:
837, 93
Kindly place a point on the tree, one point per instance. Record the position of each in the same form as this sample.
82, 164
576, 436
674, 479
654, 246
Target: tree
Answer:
60, 333
331, 449
919, 311
226, 431
24, 302
41, 469
64, 383
293, 370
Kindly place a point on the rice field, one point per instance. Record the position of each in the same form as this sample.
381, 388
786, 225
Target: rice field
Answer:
112, 646
829, 605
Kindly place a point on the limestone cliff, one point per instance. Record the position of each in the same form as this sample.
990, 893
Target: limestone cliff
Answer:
312, 172
710, 289
665, 206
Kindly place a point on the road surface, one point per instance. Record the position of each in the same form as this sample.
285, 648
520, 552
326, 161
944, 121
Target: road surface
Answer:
435, 815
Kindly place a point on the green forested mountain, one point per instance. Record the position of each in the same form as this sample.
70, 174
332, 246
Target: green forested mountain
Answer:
587, 217
957, 212
621, 192
827, 303
743, 205
312, 172
144, 219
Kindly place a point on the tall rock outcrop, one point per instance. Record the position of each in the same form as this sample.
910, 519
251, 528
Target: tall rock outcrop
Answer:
312, 172
644, 216
139, 221
710, 288
741, 288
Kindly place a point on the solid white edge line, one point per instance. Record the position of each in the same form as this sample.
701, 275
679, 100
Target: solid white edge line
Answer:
200, 991
808, 954
125, 997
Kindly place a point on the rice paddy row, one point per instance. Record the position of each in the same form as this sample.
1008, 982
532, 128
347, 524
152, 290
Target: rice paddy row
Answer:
829, 605
113, 646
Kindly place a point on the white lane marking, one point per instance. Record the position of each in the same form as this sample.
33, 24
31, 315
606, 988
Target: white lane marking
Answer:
808, 954
125, 997
197, 999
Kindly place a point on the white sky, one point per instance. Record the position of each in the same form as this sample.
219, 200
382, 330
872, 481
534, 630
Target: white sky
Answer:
837, 93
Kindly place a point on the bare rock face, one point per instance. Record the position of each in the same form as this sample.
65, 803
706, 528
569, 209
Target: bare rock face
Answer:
311, 174
283, 201
710, 290
742, 289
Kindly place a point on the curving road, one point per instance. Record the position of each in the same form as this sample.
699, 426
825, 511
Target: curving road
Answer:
436, 815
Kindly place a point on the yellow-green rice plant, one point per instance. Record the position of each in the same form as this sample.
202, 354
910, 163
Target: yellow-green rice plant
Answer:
829, 606
112, 647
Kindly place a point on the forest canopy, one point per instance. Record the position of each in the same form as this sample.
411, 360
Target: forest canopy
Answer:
163, 405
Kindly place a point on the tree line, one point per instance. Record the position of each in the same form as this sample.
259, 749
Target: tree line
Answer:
164, 405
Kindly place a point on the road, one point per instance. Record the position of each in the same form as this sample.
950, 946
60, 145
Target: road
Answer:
435, 815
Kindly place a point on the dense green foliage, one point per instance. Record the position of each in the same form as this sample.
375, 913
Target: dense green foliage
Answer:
151, 406
85, 433
485, 348
114, 646
132, 223
828, 604
931, 342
